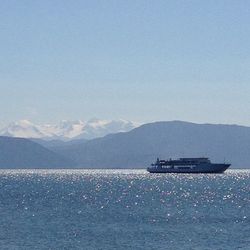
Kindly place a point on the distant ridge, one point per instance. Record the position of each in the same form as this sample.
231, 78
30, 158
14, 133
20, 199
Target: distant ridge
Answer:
23, 153
134, 149
142, 145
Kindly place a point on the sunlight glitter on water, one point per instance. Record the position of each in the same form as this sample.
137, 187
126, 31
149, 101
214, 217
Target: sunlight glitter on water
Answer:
71, 208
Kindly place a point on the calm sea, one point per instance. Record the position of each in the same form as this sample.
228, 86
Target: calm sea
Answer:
123, 209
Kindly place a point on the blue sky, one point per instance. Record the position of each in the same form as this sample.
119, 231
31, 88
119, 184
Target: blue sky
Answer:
135, 60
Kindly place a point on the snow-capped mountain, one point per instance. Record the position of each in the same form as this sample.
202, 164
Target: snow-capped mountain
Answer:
64, 130
67, 129
97, 128
22, 128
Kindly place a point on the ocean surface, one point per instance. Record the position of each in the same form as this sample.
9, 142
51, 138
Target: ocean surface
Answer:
123, 209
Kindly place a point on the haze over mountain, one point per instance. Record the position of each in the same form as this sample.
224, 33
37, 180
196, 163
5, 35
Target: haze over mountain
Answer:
134, 149
66, 130
23, 153
141, 146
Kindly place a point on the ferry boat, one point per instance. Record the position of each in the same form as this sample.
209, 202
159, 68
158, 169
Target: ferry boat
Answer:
187, 165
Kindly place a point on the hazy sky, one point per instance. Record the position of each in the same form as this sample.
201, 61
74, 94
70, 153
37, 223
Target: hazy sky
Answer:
136, 60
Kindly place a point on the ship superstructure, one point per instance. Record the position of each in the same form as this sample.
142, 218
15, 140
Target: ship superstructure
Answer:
187, 165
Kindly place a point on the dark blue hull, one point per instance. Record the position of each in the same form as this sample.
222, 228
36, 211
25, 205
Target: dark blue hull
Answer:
209, 168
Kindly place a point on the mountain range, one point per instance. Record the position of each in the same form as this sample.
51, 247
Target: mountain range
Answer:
141, 146
136, 148
67, 130
23, 153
